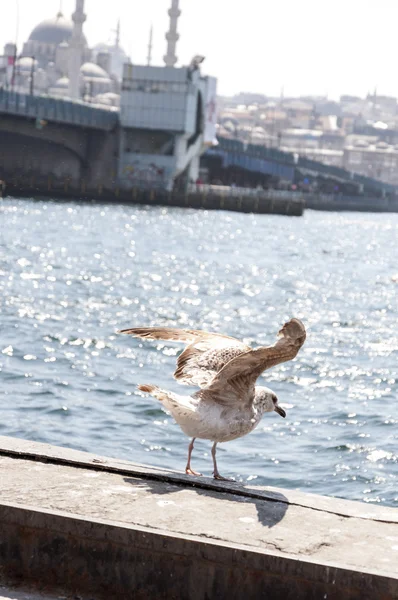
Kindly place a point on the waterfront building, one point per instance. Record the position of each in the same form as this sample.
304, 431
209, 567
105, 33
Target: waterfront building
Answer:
57, 60
168, 118
370, 156
168, 113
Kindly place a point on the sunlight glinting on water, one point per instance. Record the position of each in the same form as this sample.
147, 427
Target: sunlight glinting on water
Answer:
71, 275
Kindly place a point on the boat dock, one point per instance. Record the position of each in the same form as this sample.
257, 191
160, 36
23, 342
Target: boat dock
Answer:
113, 529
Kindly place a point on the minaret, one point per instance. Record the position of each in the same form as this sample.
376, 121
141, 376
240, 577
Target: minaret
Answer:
76, 48
117, 41
149, 56
172, 36
374, 111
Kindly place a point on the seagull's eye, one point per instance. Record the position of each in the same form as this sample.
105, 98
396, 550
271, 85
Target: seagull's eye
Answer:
274, 399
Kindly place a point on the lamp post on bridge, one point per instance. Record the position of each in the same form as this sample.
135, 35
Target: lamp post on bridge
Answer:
16, 44
32, 77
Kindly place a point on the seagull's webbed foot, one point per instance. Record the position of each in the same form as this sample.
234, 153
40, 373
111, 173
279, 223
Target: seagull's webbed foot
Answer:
189, 471
219, 477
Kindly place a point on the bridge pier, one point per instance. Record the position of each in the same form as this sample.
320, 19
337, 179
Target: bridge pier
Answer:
101, 158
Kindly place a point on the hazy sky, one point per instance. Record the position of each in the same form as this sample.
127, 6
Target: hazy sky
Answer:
307, 46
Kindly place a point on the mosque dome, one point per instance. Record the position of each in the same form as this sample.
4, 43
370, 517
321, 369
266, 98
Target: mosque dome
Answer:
92, 70
117, 54
62, 82
53, 31
26, 63
60, 88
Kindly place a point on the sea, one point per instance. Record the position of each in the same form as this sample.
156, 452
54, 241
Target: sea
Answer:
73, 274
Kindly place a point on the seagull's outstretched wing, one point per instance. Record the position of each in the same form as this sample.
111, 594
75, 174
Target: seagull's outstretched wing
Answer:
204, 356
236, 381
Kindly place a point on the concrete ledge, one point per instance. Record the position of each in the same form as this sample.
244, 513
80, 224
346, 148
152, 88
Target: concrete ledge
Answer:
18, 593
114, 529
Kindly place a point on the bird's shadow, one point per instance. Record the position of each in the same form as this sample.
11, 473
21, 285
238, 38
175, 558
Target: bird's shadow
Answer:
271, 508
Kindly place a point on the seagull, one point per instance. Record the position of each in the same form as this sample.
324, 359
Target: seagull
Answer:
228, 405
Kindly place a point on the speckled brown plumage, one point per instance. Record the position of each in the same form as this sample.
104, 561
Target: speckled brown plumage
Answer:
204, 356
229, 404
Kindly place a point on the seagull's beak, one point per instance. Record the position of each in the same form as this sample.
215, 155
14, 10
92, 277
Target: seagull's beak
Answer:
280, 411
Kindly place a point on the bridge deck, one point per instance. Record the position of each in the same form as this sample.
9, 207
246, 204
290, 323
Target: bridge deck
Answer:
57, 110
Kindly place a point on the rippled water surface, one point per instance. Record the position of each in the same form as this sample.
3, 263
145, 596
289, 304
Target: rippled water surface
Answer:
71, 275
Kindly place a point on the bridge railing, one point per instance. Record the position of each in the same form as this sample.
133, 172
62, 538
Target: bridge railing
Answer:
301, 163
57, 110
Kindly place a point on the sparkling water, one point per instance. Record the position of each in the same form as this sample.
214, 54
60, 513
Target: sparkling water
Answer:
72, 274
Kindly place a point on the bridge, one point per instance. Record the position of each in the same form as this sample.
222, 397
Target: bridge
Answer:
233, 159
80, 143
42, 136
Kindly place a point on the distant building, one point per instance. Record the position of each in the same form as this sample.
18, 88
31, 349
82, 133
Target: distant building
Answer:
298, 112
367, 155
360, 134
57, 50
47, 38
168, 117
113, 53
249, 98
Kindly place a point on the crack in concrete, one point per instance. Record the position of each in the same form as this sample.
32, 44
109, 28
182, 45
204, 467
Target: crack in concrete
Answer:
177, 480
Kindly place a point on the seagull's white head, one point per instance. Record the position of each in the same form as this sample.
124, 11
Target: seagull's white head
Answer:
267, 401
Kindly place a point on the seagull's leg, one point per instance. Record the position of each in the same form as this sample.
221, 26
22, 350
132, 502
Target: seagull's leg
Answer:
188, 469
215, 472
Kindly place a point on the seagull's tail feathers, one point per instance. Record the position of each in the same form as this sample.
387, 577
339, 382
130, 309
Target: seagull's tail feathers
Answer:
154, 391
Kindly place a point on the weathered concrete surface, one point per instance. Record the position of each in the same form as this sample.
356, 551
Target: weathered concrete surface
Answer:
10, 593
107, 524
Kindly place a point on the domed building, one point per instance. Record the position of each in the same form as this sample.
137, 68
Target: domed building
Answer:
60, 88
47, 36
115, 53
93, 71
56, 60
52, 31
95, 80
27, 67
26, 64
